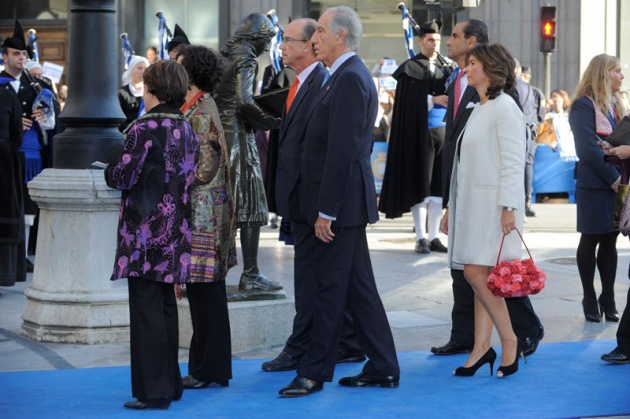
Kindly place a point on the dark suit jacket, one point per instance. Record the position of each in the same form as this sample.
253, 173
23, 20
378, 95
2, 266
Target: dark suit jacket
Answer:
336, 174
291, 132
453, 130
592, 171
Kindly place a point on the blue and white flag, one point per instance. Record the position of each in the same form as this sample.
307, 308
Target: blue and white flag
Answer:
407, 30
32, 43
274, 51
164, 35
128, 52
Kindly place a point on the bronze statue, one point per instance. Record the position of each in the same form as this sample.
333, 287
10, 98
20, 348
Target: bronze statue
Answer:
240, 116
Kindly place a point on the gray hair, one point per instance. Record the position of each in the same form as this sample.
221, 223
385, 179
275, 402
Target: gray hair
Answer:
346, 19
309, 28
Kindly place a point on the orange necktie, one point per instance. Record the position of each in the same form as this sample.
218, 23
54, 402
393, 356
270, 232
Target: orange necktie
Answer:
292, 92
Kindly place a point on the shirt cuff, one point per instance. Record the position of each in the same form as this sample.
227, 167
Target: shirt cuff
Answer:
327, 217
430, 102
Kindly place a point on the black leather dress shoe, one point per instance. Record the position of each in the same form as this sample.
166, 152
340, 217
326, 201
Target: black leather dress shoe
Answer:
283, 362
301, 386
343, 356
437, 246
191, 383
530, 344
162, 404
368, 380
452, 348
616, 357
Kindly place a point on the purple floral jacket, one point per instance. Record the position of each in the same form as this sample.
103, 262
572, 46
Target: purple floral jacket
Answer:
154, 228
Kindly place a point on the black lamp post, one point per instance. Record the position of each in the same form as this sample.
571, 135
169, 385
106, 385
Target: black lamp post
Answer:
92, 113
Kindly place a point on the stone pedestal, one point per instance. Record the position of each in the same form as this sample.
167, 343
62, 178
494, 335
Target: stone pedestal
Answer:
72, 299
254, 324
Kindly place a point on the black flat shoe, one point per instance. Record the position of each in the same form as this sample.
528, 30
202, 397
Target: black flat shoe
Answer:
616, 357
452, 348
162, 404
190, 383
283, 362
349, 357
300, 387
368, 380
488, 358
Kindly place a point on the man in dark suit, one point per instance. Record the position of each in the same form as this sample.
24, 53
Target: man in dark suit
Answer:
461, 100
297, 53
337, 198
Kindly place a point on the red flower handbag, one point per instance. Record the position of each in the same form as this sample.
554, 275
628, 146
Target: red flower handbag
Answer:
516, 278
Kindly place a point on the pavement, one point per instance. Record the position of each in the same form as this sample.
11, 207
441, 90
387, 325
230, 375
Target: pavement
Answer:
415, 289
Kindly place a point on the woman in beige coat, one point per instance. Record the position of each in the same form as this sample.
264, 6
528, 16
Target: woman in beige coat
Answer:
486, 194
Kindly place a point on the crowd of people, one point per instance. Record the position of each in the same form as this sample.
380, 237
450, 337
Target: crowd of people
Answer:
460, 146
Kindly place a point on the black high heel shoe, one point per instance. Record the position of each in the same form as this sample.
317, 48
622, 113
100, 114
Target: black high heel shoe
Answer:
593, 316
610, 314
511, 369
489, 357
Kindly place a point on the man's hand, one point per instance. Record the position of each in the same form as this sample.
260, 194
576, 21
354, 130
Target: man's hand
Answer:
441, 100
444, 223
323, 231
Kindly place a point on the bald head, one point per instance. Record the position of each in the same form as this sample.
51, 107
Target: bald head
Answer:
296, 46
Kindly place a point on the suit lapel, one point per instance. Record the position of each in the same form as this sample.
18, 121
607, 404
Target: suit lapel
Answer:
329, 84
469, 94
299, 97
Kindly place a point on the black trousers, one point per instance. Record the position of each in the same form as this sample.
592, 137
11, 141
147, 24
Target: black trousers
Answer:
210, 355
154, 340
345, 280
525, 322
305, 287
623, 331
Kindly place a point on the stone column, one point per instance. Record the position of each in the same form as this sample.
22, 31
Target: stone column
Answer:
72, 299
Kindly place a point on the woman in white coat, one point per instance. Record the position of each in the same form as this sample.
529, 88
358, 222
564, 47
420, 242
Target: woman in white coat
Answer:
487, 188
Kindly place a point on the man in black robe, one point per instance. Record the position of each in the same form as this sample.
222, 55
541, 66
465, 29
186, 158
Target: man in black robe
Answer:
12, 246
413, 179
33, 151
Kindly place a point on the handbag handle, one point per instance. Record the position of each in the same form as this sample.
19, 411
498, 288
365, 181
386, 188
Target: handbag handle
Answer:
519, 234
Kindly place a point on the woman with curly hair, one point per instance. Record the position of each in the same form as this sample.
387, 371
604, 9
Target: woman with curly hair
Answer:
155, 173
486, 200
213, 228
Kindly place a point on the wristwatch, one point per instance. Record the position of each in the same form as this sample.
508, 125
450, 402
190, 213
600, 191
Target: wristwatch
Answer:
508, 209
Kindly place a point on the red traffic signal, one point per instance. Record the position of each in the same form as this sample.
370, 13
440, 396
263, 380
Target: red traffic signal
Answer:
548, 29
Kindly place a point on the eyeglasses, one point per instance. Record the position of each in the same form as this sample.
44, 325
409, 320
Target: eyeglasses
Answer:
286, 39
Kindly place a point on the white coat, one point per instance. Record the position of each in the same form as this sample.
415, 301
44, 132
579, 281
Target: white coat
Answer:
488, 174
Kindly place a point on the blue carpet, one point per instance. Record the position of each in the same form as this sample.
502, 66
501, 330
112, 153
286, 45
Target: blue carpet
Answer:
562, 380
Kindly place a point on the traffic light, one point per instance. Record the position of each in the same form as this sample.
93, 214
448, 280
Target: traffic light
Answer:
547, 29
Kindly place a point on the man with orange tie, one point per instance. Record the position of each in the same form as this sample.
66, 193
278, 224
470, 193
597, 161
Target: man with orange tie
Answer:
298, 54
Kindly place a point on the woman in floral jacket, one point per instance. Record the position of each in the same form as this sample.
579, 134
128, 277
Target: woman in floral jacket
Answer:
213, 245
155, 173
